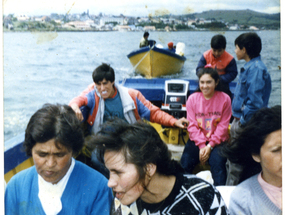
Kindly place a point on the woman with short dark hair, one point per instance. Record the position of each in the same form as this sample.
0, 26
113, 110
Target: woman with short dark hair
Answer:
57, 183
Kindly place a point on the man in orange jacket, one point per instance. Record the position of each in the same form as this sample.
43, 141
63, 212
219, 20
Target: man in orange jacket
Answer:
105, 99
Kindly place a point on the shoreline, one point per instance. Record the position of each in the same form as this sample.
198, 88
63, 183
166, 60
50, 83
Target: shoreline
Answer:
75, 31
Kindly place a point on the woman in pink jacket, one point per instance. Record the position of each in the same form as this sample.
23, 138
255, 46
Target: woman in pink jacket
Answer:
209, 113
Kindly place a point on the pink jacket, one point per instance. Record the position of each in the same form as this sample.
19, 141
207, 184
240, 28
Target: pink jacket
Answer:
208, 119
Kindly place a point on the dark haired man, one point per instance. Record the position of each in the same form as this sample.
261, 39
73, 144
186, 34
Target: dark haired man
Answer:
144, 40
108, 100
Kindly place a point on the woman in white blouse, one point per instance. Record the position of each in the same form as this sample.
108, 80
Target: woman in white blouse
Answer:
57, 183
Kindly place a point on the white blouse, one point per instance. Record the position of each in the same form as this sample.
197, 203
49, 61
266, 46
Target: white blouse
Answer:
50, 194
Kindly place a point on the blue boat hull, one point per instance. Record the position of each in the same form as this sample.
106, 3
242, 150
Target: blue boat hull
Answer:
153, 90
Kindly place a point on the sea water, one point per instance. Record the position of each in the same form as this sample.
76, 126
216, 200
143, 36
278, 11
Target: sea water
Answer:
54, 67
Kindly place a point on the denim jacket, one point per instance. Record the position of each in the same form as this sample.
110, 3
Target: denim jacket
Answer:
252, 90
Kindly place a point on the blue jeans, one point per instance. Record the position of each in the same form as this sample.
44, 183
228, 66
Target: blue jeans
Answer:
190, 158
235, 170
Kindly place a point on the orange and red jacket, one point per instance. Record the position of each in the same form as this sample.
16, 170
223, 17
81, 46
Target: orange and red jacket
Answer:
137, 106
225, 65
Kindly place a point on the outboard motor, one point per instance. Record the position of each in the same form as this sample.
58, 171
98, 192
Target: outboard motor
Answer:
176, 92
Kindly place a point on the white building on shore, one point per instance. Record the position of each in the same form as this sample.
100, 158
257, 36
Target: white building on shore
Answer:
108, 19
23, 17
77, 25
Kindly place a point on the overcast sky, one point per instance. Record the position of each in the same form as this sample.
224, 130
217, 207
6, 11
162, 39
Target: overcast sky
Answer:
134, 7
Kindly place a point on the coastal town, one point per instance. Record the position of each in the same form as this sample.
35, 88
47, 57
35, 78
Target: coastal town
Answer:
102, 22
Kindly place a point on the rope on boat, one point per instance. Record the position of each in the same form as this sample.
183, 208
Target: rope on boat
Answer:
143, 58
131, 71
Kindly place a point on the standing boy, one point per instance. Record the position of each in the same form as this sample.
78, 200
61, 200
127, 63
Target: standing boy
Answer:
252, 91
218, 58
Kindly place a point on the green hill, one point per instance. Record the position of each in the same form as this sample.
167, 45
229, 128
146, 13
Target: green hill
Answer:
241, 17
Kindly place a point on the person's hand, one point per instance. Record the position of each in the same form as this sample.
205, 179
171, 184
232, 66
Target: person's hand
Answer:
182, 123
77, 111
204, 154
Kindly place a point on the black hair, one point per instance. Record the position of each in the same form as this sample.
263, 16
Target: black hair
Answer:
103, 71
140, 144
213, 73
251, 137
251, 42
218, 42
145, 34
57, 122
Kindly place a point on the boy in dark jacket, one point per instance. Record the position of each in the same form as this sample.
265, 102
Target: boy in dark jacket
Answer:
252, 91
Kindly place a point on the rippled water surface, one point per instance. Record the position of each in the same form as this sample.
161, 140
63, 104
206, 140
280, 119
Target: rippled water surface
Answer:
54, 67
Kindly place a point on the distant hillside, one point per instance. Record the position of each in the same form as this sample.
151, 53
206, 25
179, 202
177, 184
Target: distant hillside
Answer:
241, 17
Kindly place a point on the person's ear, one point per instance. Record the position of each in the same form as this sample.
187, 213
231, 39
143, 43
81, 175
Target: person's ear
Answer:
151, 169
243, 50
256, 158
217, 82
